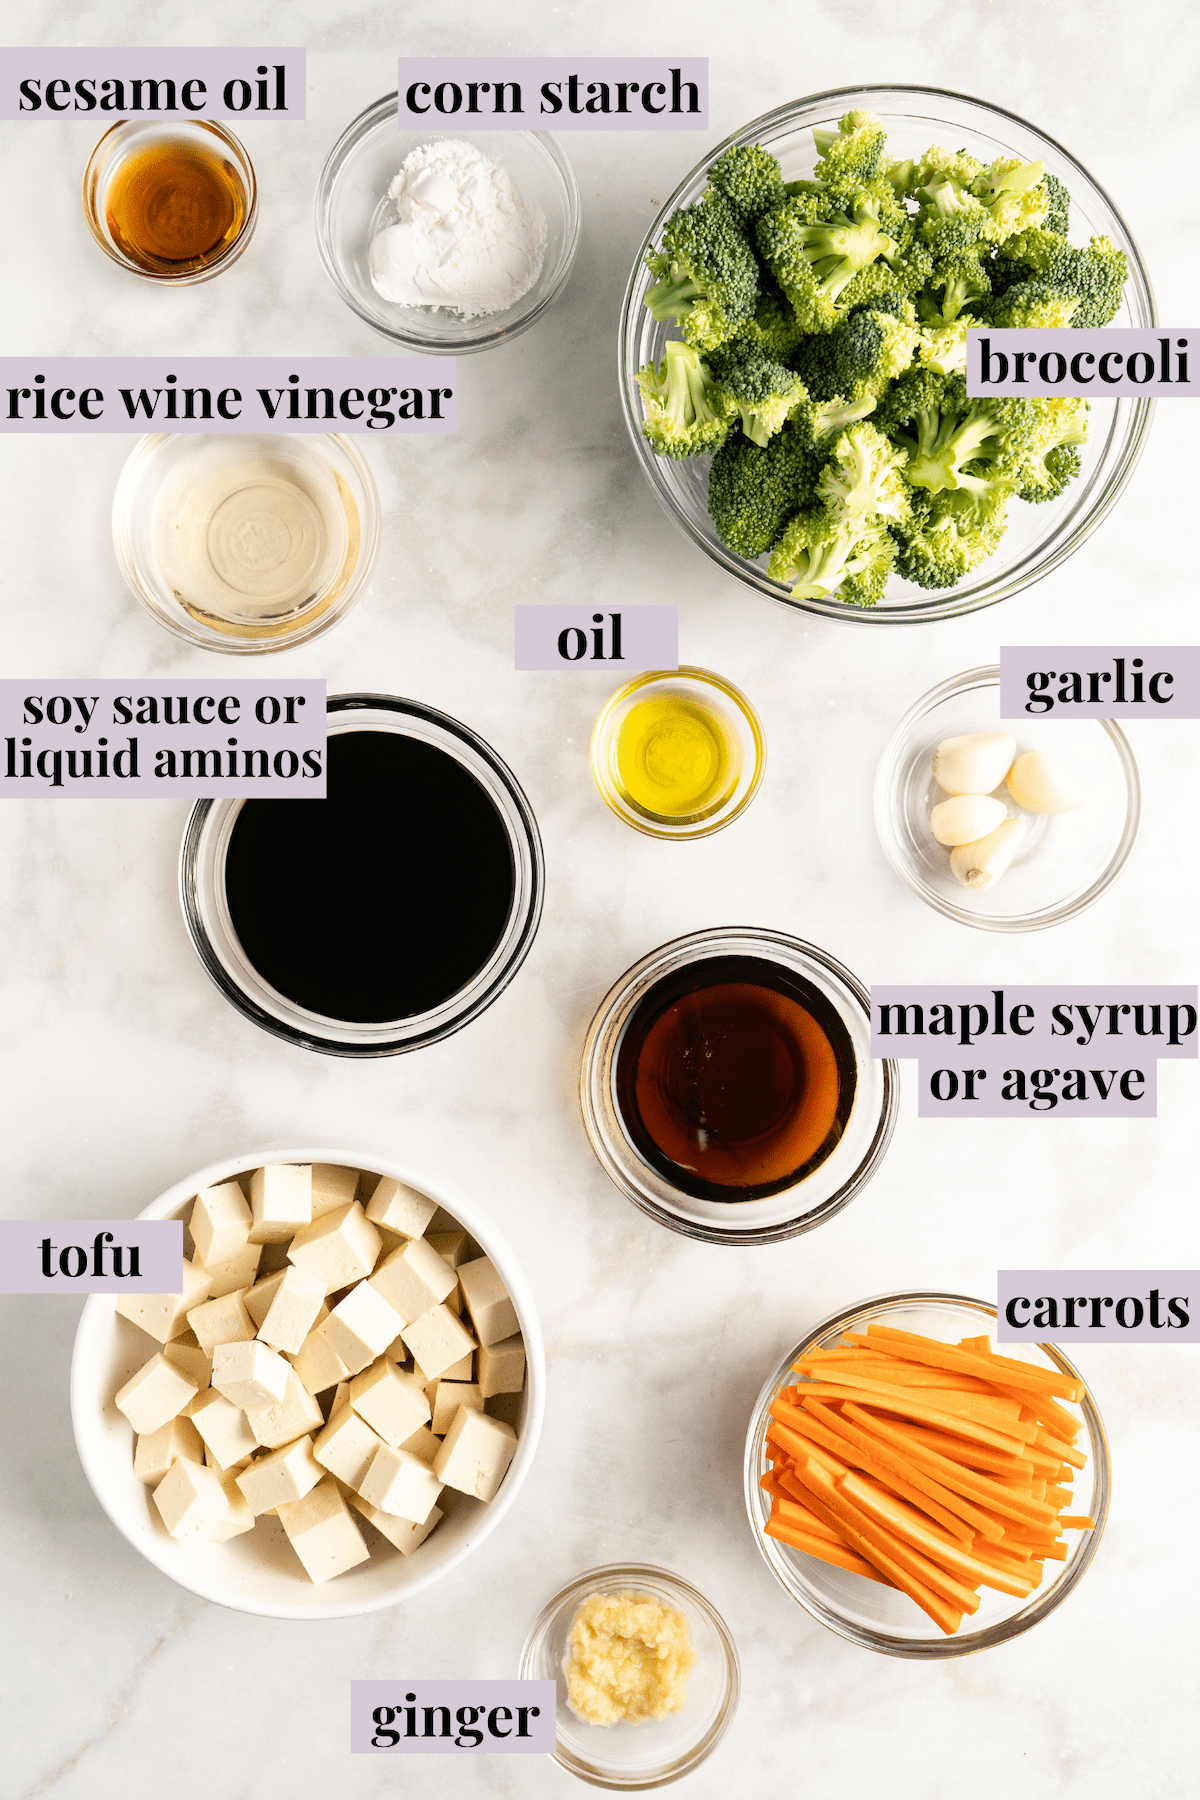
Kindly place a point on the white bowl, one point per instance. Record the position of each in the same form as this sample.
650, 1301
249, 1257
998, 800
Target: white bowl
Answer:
258, 1572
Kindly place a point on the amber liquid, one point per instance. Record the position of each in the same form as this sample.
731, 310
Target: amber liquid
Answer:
735, 1078
175, 205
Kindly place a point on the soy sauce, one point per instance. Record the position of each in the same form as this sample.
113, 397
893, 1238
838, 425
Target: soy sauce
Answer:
384, 899
735, 1078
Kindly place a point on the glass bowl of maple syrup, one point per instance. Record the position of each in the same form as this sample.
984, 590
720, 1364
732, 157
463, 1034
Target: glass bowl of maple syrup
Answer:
728, 1087
171, 202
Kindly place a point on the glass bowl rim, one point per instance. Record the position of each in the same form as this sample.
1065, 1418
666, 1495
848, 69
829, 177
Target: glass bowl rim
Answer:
187, 277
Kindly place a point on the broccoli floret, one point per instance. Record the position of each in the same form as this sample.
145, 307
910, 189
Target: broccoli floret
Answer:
1033, 305
1052, 460
860, 358
815, 253
864, 476
824, 549
772, 331
708, 275
686, 411
943, 348
764, 393
1094, 277
1014, 195
1058, 215
947, 537
751, 181
974, 447
959, 280
753, 491
956, 167
850, 156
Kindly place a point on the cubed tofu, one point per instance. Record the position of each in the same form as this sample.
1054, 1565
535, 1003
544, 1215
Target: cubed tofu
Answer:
219, 1223
422, 1443
224, 1428
400, 1483
448, 1397
287, 1419
492, 1312
413, 1279
509, 1407
333, 1187
318, 1364
360, 1327
155, 1395
191, 1501
347, 1446
258, 1298
502, 1366
281, 1201
164, 1316
400, 1208
293, 1311
392, 1402
240, 1272
451, 1246
475, 1454
222, 1321
322, 1532
406, 1534
339, 1248
437, 1341
185, 1354
239, 1514
155, 1451
250, 1374
282, 1476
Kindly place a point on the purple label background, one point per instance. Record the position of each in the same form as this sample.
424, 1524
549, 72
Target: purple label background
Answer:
1040, 1049
649, 638
308, 733
1182, 661
537, 114
365, 1696
1115, 340
247, 374
214, 67
1182, 1284
160, 1255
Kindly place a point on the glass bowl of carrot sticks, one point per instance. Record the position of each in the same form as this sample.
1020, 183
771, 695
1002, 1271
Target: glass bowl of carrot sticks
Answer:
919, 1491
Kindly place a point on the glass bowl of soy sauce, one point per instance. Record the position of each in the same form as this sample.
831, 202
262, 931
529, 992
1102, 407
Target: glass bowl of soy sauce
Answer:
728, 1087
384, 917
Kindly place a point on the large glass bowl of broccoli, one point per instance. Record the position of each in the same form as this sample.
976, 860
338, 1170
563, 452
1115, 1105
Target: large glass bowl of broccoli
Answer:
793, 352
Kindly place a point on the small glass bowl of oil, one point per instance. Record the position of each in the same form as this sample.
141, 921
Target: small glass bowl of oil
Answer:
678, 753
171, 202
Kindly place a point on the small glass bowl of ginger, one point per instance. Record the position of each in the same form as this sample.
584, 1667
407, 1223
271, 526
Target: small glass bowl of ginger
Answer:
678, 753
638, 1752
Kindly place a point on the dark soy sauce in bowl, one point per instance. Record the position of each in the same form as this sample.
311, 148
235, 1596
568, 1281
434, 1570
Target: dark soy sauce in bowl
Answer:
382, 901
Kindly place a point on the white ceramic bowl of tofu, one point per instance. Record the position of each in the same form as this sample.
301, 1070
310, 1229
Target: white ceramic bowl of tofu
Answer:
258, 1572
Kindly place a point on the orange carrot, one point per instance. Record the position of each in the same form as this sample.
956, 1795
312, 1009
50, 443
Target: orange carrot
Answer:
829, 1549
946, 1356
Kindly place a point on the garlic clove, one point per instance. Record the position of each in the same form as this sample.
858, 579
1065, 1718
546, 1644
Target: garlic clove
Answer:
966, 818
1036, 783
974, 764
981, 864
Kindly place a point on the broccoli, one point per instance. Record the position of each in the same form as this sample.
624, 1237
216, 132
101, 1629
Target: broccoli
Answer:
1058, 215
750, 179
1033, 304
814, 253
944, 347
973, 447
764, 393
708, 276
864, 476
1094, 277
1052, 459
753, 491
850, 157
1014, 195
685, 410
824, 548
773, 330
946, 537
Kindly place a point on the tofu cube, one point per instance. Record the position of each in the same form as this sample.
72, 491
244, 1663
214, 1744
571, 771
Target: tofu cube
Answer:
332, 1188
164, 1316
155, 1395
239, 1516
448, 1397
318, 1364
406, 1534
224, 1428
284, 1475
422, 1443
250, 1374
322, 1532
339, 1248
239, 1272
400, 1483
492, 1312
191, 1501
190, 1359
509, 1407
347, 1446
451, 1246
287, 1419
222, 1321
438, 1340
400, 1208
281, 1201
155, 1451
219, 1223
258, 1298
360, 1327
413, 1279
475, 1454
502, 1366
392, 1402
293, 1311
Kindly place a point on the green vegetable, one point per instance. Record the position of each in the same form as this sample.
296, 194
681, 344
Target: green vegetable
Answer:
686, 412
708, 276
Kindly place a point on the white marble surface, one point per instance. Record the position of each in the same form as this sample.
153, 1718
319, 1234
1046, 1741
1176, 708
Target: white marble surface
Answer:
123, 1068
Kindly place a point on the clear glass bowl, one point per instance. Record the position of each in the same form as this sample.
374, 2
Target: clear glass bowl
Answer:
656, 1751
1063, 863
352, 205
808, 1202
167, 470
206, 907
1038, 537
128, 136
713, 695
879, 1618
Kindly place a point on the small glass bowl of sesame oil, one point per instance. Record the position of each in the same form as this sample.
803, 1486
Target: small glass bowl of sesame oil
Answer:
172, 202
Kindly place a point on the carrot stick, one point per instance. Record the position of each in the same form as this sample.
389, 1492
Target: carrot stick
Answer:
947, 1356
984, 1409
1065, 1452
906, 1524
800, 1517
829, 1549
965, 1481
1076, 1522
889, 1459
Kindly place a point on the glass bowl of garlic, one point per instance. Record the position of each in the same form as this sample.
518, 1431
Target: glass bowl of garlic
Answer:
1005, 824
